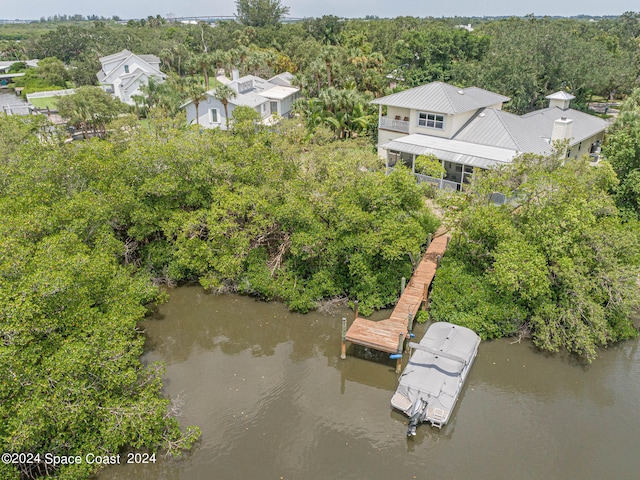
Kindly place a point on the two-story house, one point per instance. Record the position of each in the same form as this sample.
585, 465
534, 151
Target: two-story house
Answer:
123, 74
466, 128
271, 98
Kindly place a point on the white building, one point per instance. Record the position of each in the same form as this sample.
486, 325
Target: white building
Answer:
467, 129
271, 98
123, 74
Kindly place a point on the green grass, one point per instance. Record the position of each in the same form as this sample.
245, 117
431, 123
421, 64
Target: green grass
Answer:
51, 102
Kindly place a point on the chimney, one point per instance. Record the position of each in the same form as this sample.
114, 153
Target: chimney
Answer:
235, 75
562, 129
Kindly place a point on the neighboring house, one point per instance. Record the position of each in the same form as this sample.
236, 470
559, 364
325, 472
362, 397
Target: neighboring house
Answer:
271, 98
467, 129
124, 73
6, 65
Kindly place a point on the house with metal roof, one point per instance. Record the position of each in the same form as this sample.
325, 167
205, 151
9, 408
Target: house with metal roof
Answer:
466, 129
122, 74
271, 98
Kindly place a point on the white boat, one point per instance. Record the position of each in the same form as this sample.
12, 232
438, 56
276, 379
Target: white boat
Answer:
432, 380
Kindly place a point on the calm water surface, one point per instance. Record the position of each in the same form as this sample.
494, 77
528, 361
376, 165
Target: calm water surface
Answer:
275, 401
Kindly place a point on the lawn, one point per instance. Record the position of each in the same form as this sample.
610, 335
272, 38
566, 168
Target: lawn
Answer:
51, 102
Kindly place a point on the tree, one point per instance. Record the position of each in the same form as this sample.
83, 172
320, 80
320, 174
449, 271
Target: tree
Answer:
204, 63
180, 52
556, 262
224, 93
260, 13
622, 149
91, 108
430, 165
196, 94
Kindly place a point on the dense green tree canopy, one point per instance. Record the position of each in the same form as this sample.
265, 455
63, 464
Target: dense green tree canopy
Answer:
85, 226
555, 262
91, 108
622, 149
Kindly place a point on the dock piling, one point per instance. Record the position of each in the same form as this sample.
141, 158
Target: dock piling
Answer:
403, 285
399, 354
343, 351
409, 328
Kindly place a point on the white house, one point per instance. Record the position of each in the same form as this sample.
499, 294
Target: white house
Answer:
123, 74
466, 128
270, 98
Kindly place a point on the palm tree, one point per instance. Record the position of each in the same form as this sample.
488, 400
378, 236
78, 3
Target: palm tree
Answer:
208, 64
224, 93
197, 94
180, 51
329, 54
152, 91
166, 55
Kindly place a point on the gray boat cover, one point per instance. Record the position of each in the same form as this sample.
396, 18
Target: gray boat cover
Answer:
431, 382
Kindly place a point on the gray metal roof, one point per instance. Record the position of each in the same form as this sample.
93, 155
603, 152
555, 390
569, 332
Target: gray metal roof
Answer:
584, 125
562, 95
284, 79
250, 99
482, 156
442, 98
504, 130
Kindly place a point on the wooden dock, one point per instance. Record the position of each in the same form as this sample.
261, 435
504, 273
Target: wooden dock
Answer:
389, 335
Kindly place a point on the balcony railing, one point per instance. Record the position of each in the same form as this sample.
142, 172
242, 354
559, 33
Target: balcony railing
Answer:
439, 182
394, 124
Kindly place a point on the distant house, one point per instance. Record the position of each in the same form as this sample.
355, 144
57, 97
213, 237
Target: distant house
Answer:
6, 65
466, 129
271, 98
123, 74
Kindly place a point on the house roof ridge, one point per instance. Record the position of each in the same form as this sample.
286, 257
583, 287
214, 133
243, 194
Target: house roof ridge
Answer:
501, 115
124, 52
445, 92
441, 97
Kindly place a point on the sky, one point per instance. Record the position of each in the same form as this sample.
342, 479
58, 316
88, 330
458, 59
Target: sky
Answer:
35, 9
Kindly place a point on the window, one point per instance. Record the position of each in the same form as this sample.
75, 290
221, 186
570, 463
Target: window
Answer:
126, 69
274, 107
431, 120
213, 115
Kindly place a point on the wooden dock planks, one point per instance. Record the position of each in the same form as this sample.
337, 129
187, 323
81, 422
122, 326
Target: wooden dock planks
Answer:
384, 335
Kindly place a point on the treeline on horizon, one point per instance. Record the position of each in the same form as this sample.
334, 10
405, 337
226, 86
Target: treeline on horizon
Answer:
524, 58
78, 17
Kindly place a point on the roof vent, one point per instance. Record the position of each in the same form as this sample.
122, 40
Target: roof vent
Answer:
461, 92
482, 114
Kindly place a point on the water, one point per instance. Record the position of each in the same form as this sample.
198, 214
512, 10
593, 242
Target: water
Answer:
275, 401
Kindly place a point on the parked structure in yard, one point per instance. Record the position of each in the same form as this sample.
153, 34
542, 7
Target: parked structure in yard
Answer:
270, 98
466, 129
123, 74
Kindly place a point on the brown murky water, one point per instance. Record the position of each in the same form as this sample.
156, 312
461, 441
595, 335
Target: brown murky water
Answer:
274, 401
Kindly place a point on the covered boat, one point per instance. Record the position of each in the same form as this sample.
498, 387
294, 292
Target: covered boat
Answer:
432, 380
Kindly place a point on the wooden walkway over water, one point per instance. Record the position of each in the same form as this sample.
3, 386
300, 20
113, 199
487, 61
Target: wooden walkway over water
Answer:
389, 335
